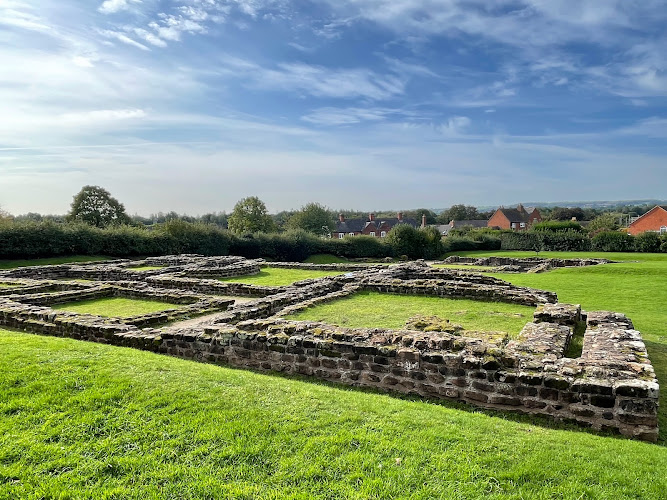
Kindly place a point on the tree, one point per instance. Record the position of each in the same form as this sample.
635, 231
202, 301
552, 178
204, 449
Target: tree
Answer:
250, 216
404, 240
94, 205
417, 215
313, 218
459, 212
4, 216
560, 213
604, 222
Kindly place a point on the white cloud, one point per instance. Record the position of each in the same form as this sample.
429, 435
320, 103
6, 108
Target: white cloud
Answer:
346, 116
150, 37
122, 37
102, 115
113, 6
455, 126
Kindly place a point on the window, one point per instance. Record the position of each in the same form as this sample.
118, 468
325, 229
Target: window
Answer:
663, 230
351, 234
372, 233
340, 236
523, 224
513, 225
383, 234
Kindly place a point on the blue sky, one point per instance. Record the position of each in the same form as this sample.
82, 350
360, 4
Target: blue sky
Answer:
190, 105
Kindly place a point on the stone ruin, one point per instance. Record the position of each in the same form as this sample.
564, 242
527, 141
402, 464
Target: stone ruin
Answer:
609, 385
522, 265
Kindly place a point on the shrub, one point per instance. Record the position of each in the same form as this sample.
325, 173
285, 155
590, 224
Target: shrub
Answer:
557, 226
647, 242
544, 240
612, 241
405, 240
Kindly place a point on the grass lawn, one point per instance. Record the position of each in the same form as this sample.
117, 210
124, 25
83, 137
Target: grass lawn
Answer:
117, 307
384, 310
462, 267
11, 264
326, 258
145, 268
637, 287
85, 420
276, 276
8, 285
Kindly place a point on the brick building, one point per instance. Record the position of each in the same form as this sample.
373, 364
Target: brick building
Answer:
516, 219
653, 220
370, 226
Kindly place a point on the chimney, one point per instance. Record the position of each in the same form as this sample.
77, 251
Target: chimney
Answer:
423, 220
520, 208
371, 217
399, 215
341, 217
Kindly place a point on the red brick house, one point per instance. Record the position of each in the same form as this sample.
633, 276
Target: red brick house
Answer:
516, 219
653, 220
369, 227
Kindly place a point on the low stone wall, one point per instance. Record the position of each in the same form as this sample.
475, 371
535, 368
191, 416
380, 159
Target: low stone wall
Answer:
186, 304
212, 286
122, 270
523, 265
337, 266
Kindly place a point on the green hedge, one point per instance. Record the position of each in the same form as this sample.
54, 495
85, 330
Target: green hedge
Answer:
20, 240
568, 240
613, 241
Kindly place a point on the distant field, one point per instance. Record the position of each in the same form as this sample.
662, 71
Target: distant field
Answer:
11, 264
117, 307
383, 310
276, 276
86, 420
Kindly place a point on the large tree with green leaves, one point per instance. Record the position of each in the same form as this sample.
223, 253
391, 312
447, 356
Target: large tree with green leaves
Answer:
250, 216
95, 206
313, 218
459, 212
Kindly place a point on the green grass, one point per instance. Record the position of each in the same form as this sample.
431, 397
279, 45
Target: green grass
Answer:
326, 258
384, 310
8, 285
276, 276
11, 264
636, 287
462, 267
117, 307
145, 268
84, 420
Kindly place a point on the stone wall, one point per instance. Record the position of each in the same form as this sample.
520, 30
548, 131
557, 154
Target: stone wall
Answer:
523, 265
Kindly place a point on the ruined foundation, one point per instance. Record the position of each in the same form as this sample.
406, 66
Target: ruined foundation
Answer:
611, 385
